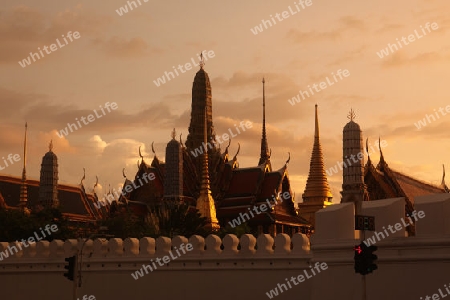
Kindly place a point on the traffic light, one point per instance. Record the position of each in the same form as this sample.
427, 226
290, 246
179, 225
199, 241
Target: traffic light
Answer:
70, 267
364, 259
370, 258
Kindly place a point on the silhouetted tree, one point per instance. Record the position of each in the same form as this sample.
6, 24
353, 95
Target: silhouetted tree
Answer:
124, 224
172, 218
16, 225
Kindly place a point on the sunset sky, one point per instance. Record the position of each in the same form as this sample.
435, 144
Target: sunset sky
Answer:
117, 58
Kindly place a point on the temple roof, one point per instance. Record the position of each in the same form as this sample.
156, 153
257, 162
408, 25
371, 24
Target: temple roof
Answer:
391, 183
413, 187
245, 181
352, 125
73, 200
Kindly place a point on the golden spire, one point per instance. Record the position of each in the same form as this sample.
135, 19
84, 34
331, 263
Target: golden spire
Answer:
23, 187
205, 202
265, 155
316, 127
317, 184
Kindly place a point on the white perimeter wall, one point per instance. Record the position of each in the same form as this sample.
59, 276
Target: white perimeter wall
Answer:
408, 267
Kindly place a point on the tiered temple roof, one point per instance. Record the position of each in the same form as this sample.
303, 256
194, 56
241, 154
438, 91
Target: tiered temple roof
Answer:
233, 189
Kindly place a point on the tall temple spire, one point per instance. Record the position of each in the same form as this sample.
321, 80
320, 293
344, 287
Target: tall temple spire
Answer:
48, 183
205, 202
23, 187
173, 177
317, 193
265, 154
353, 187
201, 99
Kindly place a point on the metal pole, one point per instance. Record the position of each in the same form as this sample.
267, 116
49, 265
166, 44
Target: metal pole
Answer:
75, 278
80, 265
364, 287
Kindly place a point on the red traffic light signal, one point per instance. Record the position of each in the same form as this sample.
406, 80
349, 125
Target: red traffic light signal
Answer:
70, 267
364, 259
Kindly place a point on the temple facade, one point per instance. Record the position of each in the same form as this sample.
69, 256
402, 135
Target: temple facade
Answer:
27, 195
208, 178
370, 183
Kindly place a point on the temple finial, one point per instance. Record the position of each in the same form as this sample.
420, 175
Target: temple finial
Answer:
316, 125
379, 146
202, 61
153, 148
443, 184
140, 153
351, 115
25, 148
50, 146
174, 134
84, 176
382, 161
239, 149
226, 149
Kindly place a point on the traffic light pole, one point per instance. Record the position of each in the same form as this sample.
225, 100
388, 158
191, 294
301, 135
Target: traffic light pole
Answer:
364, 287
75, 280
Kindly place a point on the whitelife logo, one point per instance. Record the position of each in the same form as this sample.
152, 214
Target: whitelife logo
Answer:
124, 9
16, 158
323, 85
199, 151
322, 267
31, 240
423, 122
438, 296
379, 235
127, 189
27, 61
411, 38
355, 158
263, 207
284, 15
90, 118
165, 260
187, 66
